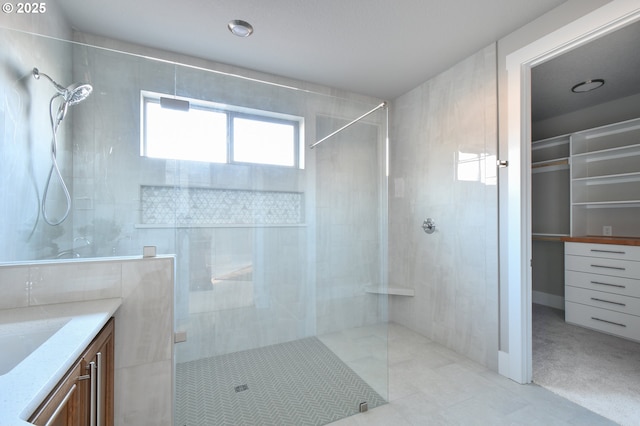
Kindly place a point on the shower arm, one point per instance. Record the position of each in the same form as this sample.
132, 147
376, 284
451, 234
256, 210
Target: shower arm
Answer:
37, 74
382, 105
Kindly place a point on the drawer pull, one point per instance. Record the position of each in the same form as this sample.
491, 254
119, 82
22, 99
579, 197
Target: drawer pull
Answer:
62, 406
607, 251
610, 285
607, 301
609, 267
608, 322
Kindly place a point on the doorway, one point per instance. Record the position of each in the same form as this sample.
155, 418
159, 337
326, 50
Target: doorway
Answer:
587, 367
516, 251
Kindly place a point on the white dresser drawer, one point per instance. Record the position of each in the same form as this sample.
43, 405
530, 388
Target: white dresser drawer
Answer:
609, 251
624, 325
602, 266
613, 302
609, 284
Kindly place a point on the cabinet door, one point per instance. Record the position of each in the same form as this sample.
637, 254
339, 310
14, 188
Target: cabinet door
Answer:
62, 406
97, 392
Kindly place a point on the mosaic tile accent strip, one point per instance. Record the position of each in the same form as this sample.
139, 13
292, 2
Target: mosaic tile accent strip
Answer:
165, 205
299, 383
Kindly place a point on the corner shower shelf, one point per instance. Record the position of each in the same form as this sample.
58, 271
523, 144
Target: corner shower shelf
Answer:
394, 291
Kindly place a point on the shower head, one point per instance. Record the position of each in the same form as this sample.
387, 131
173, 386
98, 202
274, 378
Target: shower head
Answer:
77, 93
73, 94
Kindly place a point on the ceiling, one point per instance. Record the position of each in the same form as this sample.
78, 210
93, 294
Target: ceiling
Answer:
380, 48
614, 58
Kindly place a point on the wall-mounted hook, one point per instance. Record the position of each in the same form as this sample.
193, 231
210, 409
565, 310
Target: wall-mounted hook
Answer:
429, 226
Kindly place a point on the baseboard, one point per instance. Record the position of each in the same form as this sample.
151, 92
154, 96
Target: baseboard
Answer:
503, 364
547, 299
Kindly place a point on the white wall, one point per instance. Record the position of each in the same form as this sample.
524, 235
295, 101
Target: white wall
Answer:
614, 111
442, 166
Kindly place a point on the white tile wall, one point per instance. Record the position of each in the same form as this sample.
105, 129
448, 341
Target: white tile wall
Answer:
74, 282
443, 149
14, 287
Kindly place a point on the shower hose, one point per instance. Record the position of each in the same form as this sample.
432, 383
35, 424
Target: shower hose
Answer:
55, 170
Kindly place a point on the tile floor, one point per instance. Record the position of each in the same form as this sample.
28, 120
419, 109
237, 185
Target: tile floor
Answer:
288, 384
431, 385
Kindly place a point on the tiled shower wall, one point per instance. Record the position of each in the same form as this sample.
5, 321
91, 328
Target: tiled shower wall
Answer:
443, 166
25, 148
350, 230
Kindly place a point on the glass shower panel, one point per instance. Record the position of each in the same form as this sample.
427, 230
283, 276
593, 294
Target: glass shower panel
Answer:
244, 228
351, 233
110, 177
273, 290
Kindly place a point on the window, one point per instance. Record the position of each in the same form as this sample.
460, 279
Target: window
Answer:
180, 129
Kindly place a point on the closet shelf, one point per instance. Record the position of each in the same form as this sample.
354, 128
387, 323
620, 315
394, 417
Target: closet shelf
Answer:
555, 162
612, 178
609, 153
548, 237
605, 204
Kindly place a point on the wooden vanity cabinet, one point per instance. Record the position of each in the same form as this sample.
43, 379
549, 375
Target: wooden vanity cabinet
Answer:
61, 408
84, 397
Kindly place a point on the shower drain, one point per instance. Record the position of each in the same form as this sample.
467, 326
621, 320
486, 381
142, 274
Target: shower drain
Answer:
241, 388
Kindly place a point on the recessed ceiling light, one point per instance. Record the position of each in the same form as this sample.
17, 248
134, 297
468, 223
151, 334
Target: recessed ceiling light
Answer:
587, 86
240, 28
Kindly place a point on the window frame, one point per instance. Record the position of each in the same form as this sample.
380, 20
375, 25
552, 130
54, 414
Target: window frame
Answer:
231, 112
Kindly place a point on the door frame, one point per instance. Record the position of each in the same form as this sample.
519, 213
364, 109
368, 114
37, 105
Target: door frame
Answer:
515, 361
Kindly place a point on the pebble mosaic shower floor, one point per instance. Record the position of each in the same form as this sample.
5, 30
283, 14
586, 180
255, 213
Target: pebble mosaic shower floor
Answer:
297, 383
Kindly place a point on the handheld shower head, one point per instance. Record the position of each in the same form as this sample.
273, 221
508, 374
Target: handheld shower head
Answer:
73, 94
77, 93
70, 95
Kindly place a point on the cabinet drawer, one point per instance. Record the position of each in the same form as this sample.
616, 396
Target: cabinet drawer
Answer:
613, 302
609, 251
623, 325
602, 266
608, 284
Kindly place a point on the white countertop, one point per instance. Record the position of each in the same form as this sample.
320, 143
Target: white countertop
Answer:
23, 388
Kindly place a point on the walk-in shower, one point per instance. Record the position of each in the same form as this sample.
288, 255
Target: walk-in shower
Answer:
67, 96
279, 310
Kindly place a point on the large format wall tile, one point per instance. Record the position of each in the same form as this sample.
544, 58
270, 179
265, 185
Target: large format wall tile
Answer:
74, 282
144, 322
443, 166
14, 287
148, 397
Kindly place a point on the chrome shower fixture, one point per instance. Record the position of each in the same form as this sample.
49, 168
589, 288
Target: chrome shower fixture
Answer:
70, 95
73, 94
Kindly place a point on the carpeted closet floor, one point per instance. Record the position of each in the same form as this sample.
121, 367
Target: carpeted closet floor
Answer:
595, 370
